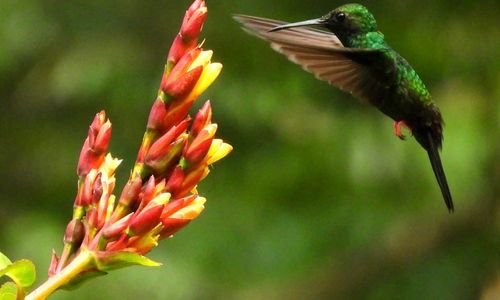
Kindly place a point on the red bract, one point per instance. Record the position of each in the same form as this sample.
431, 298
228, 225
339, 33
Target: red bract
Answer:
179, 213
164, 159
176, 205
117, 228
198, 148
180, 47
131, 191
175, 181
183, 85
54, 261
171, 226
191, 180
180, 68
202, 119
146, 219
161, 146
96, 144
152, 189
157, 116
75, 232
190, 29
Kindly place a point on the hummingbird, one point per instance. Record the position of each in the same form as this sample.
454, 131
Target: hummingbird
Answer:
349, 52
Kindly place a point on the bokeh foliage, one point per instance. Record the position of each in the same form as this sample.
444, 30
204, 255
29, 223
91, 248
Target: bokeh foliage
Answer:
318, 200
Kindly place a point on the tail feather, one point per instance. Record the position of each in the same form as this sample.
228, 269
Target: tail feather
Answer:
437, 167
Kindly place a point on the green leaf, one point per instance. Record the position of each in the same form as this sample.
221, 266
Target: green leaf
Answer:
102, 262
4, 261
81, 278
21, 271
122, 259
8, 291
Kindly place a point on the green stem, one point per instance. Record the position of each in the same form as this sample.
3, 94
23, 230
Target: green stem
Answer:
80, 263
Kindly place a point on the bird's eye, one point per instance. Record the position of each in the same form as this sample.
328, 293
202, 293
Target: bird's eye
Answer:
340, 17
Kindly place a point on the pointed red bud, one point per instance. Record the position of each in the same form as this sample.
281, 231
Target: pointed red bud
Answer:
99, 133
157, 115
197, 4
190, 29
88, 160
178, 111
173, 153
199, 147
117, 228
102, 138
142, 244
146, 220
192, 26
192, 179
183, 85
149, 217
75, 232
179, 213
148, 192
95, 126
86, 192
95, 145
179, 48
176, 205
202, 119
181, 67
175, 180
131, 191
54, 261
117, 245
195, 154
171, 226
160, 148
97, 189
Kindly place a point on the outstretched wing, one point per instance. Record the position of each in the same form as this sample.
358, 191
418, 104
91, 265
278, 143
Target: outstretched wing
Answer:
365, 73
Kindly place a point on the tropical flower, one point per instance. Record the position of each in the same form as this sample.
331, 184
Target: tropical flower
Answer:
160, 196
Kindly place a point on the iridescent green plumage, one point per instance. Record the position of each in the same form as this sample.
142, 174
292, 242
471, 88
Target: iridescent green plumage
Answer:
356, 58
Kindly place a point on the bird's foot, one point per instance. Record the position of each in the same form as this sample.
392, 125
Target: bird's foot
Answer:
397, 129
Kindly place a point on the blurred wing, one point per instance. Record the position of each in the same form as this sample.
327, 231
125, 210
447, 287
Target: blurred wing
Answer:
365, 73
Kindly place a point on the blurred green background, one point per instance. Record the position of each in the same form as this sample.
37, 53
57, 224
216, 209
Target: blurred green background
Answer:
319, 199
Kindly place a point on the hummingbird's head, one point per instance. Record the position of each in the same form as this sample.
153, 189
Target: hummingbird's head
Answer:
348, 19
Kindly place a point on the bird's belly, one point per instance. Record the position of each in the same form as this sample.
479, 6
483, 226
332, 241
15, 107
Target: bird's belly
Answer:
403, 107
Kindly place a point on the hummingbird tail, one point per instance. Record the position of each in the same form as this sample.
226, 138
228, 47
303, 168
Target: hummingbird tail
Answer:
433, 152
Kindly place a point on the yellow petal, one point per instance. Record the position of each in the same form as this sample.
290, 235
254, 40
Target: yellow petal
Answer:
191, 211
214, 147
219, 153
203, 60
110, 164
110, 207
210, 73
159, 200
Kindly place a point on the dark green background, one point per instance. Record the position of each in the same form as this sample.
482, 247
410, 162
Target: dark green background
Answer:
318, 200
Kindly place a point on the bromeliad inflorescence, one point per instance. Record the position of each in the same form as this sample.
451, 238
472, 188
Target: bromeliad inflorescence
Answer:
160, 197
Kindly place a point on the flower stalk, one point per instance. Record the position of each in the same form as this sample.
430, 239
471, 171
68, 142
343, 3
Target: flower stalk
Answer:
72, 270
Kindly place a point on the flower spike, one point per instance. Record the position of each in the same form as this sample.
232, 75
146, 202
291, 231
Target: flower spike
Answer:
160, 196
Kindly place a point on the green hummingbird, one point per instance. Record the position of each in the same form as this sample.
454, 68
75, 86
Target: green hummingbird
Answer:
354, 56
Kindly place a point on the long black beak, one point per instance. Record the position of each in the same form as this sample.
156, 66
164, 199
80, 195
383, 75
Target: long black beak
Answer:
319, 21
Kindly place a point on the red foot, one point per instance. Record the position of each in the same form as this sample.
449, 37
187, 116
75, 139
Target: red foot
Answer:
397, 129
